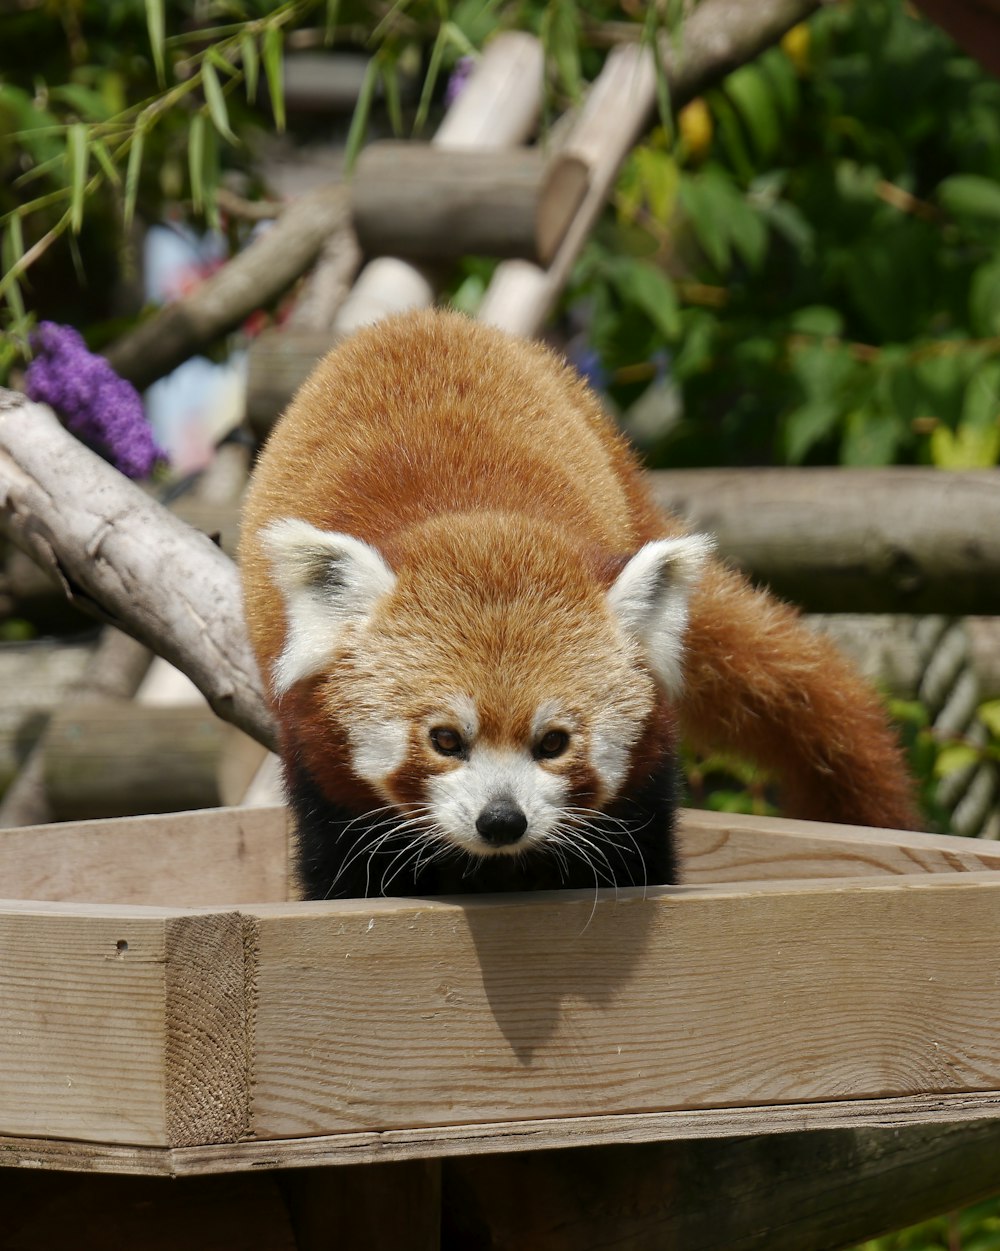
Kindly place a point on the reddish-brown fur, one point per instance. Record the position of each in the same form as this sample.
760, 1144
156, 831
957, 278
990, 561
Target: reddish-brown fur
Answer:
501, 428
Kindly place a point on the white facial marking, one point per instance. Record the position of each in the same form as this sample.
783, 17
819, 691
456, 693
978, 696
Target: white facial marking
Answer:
378, 748
462, 712
550, 716
610, 745
328, 581
459, 796
650, 599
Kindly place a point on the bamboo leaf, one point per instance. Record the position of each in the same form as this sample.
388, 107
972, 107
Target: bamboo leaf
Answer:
132, 174
274, 71
251, 66
100, 150
196, 160
390, 82
427, 91
155, 25
359, 122
13, 250
76, 144
330, 22
216, 102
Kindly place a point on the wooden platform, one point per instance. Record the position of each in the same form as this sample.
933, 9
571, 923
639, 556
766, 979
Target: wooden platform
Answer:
803, 977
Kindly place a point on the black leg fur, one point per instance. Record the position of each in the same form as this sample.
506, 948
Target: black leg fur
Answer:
334, 863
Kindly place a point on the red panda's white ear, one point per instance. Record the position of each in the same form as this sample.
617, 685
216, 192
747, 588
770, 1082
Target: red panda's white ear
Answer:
327, 580
650, 599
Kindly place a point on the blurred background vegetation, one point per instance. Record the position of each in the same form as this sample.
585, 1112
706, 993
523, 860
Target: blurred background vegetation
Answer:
802, 268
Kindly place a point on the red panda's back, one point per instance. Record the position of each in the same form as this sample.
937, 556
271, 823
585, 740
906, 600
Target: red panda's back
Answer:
431, 413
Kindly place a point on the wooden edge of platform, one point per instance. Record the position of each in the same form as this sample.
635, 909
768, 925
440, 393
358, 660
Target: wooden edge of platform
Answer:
500, 1137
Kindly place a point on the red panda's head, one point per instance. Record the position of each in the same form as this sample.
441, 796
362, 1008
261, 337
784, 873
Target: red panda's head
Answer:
485, 678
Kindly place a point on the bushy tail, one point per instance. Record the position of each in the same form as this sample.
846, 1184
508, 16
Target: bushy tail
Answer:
760, 684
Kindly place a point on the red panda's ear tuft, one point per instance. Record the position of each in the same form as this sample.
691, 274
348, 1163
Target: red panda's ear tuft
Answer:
327, 581
650, 599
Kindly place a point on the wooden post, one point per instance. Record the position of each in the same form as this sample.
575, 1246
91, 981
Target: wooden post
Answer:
438, 204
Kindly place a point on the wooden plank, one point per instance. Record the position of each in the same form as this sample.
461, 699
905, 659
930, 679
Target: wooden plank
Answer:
797, 1192
500, 1137
123, 1025
81, 1031
214, 858
376, 1015
731, 847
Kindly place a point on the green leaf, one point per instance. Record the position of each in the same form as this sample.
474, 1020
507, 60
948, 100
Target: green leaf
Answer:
10, 254
76, 145
273, 52
808, 425
989, 715
132, 173
330, 20
394, 106
968, 447
658, 177
100, 151
871, 437
647, 287
561, 39
954, 758
216, 101
984, 299
970, 196
196, 161
359, 122
754, 99
981, 408
430, 81
251, 66
818, 319
155, 27
825, 371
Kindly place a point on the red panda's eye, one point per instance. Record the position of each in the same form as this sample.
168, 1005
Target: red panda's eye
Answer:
552, 744
447, 742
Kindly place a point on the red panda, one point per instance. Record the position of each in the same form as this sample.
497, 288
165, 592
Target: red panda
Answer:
481, 639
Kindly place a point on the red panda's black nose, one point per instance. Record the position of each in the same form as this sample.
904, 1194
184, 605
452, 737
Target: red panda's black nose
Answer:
501, 822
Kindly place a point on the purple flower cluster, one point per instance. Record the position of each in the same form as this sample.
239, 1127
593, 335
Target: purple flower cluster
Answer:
100, 408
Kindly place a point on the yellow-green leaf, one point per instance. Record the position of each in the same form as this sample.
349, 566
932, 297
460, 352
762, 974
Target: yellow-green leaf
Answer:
216, 101
76, 142
359, 122
969, 447
989, 715
132, 174
273, 52
196, 160
955, 758
155, 26
251, 66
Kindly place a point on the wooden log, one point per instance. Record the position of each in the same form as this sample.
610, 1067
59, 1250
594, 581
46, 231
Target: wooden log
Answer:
896, 540
34, 678
122, 759
109, 544
497, 108
718, 36
114, 670
438, 204
249, 281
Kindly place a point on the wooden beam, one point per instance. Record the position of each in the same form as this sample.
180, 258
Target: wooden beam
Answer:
585, 1006
438, 204
192, 859
794, 1192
